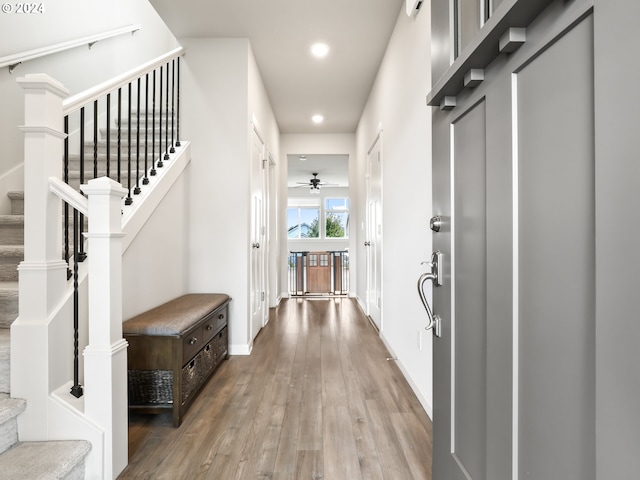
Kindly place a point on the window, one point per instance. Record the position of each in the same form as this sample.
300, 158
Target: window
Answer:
336, 213
469, 17
303, 218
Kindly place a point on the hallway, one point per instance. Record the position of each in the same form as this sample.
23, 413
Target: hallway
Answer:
316, 399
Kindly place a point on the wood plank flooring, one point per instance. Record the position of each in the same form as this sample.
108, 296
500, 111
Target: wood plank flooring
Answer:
316, 399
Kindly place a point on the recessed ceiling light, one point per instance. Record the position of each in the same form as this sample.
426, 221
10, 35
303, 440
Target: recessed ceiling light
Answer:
317, 118
320, 50
303, 158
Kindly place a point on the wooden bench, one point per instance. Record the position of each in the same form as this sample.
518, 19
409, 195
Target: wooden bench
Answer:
173, 350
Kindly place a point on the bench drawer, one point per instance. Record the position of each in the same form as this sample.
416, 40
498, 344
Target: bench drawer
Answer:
191, 344
213, 324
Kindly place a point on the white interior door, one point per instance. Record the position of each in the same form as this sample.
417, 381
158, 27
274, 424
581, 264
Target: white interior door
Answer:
374, 233
258, 244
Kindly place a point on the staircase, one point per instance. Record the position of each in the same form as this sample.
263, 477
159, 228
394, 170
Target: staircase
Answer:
24, 460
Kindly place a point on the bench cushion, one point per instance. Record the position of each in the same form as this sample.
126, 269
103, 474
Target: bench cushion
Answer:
176, 316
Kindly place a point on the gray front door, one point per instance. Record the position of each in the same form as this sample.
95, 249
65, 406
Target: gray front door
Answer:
513, 180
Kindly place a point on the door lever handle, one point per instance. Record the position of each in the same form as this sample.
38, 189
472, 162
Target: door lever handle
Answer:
434, 320
436, 267
435, 276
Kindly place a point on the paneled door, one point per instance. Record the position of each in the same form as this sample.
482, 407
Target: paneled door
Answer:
513, 180
318, 272
374, 232
258, 243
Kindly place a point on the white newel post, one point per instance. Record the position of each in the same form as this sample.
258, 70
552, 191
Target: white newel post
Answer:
105, 357
42, 274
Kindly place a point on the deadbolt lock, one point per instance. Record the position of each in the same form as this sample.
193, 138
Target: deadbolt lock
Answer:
435, 223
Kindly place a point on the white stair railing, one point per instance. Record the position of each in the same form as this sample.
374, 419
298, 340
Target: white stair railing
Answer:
43, 339
38, 361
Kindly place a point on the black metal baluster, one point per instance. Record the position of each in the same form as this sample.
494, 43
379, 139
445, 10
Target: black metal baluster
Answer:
178, 108
166, 122
153, 127
173, 93
136, 191
81, 145
108, 152
119, 178
145, 180
66, 205
95, 139
129, 200
78, 253
159, 164
76, 390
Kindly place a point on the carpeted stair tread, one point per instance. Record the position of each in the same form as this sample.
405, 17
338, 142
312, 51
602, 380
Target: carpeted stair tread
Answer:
11, 229
11, 250
10, 407
10, 257
45, 460
11, 219
8, 303
17, 202
5, 363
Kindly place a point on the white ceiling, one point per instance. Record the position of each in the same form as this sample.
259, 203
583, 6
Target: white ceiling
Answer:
333, 169
281, 33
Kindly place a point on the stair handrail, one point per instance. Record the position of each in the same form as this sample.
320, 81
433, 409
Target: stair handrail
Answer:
69, 195
74, 102
12, 61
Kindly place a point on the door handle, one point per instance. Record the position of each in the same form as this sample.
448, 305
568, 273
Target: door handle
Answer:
367, 244
256, 245
435, 323
436, 267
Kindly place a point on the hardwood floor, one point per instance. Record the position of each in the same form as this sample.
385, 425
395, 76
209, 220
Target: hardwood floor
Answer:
316, 399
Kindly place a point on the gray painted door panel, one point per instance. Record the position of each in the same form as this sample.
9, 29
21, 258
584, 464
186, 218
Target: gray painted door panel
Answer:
557, 259
518, 305
469, 317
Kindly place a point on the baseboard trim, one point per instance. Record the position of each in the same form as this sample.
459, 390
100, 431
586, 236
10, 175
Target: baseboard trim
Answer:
428, 408
243, 349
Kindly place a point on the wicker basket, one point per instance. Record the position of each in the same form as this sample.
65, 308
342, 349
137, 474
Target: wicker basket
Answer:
150, 387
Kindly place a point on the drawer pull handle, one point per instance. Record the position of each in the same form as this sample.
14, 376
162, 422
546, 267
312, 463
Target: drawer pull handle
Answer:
209, 327
221, 316
193, 341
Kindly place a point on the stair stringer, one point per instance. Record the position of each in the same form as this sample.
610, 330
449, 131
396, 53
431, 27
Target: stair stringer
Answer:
67, 421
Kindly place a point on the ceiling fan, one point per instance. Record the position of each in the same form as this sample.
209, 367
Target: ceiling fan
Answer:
314, 183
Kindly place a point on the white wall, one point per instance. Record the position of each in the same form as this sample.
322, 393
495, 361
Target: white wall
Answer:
309, 144
215, 105
77, 69
397, 102
222, 92
154, 269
